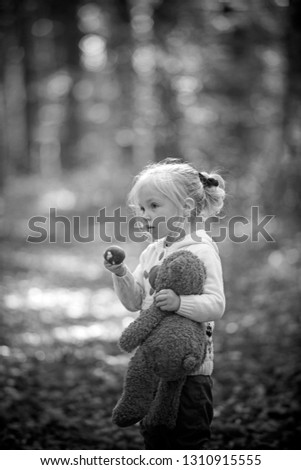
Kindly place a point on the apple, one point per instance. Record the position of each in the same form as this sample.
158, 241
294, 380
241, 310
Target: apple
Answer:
114, 255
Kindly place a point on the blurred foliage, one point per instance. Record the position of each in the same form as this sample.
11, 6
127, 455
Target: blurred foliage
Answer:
90, 91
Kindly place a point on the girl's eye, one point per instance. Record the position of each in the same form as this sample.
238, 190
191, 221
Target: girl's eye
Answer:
154, 205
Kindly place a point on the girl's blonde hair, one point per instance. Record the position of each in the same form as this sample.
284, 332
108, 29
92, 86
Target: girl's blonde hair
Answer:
178, 180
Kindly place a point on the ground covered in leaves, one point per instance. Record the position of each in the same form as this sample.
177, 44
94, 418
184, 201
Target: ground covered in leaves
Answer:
61, 371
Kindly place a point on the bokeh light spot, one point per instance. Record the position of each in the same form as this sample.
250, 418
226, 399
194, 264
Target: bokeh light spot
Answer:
58, 85
94, 54
42, 27
144, 60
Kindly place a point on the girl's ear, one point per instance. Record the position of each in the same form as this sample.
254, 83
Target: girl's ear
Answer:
189, 204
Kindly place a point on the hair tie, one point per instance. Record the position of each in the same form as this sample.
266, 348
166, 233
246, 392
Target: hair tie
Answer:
208, 182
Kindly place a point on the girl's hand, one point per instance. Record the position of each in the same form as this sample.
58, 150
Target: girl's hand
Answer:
166, 299
118, 269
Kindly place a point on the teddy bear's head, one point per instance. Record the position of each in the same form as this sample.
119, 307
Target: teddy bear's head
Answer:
183, 272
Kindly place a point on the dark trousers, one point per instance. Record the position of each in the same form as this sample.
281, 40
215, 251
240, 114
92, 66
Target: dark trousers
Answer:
192, 429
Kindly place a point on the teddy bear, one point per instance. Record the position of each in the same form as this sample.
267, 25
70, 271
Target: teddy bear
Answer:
169, 347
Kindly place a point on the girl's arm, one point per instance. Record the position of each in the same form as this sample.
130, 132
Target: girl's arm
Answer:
129, 287
209, 306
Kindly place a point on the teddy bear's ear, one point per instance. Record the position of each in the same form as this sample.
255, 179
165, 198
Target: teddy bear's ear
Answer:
153, 275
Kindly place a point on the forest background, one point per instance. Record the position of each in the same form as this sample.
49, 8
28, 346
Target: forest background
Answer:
91, 91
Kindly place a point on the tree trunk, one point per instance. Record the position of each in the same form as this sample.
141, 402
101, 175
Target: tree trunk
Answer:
23, 23
290, 170
3, 142
68, 41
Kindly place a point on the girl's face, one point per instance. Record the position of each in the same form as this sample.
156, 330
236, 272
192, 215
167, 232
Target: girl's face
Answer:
158, 211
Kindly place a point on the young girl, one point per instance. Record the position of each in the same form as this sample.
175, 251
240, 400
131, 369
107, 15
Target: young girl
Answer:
163, 193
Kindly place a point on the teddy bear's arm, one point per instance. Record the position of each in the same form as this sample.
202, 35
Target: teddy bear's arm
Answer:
137, 332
